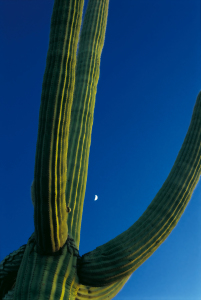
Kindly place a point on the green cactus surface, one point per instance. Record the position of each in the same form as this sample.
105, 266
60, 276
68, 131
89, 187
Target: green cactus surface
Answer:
49, 265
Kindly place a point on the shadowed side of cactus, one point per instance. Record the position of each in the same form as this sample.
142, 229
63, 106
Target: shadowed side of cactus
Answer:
8, 270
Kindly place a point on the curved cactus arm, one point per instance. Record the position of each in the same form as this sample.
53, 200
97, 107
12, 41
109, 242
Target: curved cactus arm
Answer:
124, 254
50, 215
87, 75
101, 293
9, 267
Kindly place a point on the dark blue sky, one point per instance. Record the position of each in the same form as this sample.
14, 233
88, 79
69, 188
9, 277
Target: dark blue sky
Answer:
149, 80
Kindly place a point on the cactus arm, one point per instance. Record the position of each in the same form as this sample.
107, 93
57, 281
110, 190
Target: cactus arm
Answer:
9, 267
100, 293
125, 253
50, 215
87, 75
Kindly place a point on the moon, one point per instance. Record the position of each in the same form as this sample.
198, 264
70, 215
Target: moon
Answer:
96, 198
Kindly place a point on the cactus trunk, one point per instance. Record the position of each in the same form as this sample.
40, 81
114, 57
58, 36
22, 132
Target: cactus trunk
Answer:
47, 276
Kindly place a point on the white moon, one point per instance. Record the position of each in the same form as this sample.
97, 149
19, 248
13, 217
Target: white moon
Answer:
96, 198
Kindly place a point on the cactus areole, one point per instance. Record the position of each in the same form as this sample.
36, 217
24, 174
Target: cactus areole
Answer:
49, 265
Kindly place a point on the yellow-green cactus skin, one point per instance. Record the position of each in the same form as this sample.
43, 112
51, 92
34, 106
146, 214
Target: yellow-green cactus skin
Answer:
49, 265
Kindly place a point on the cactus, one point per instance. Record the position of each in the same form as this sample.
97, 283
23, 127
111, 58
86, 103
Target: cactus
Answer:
49, 266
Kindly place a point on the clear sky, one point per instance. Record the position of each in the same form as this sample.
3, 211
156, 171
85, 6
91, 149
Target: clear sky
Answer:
149, 80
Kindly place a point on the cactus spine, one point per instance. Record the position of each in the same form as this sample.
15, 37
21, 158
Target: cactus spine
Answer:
49, 266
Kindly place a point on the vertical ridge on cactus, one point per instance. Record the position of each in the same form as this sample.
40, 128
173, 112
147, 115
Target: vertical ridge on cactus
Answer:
51, 154
49, 266
87, 75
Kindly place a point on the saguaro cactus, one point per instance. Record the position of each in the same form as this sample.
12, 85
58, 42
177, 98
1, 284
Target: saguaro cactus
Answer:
49, 265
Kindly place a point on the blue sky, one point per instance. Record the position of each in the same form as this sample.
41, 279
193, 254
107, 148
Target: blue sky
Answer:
149, 80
